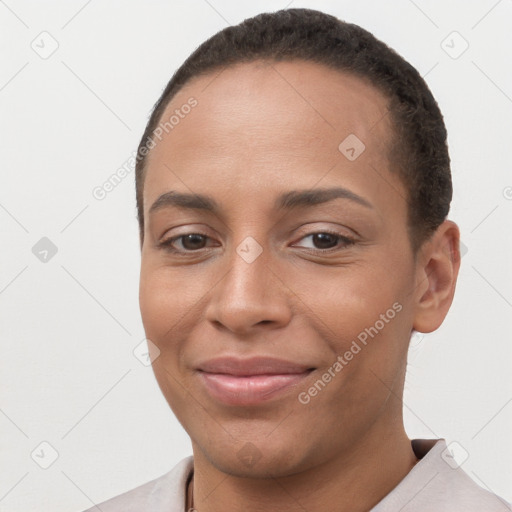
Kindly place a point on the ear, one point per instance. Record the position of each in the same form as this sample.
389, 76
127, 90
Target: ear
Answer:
437, 268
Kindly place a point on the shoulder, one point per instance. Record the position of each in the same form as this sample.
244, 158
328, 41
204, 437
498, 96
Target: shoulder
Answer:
471, 497
165, 493
438, 484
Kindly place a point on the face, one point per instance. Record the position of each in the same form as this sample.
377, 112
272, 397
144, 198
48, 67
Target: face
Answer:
299, 253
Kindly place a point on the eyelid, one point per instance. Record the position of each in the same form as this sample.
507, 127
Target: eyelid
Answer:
339, 230
347, 241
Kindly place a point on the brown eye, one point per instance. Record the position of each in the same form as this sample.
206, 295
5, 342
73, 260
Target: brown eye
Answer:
185, 243
325, 241
193, 241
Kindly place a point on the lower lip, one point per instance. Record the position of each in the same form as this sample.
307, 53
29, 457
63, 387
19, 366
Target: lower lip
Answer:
251, 390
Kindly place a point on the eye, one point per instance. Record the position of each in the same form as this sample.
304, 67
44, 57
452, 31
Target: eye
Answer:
323, 241
188, 242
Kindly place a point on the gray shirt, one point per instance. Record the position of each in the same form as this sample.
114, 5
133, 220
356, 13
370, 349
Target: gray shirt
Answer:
435, 484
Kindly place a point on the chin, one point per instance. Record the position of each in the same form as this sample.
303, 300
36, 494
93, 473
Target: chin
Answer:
260, 459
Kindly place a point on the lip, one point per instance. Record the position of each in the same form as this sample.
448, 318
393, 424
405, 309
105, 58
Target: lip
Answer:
236, 381
251, 366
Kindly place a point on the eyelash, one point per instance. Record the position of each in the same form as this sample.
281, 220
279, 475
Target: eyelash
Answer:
347, 241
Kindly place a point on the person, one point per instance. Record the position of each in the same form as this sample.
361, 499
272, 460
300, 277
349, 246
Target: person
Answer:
293, 186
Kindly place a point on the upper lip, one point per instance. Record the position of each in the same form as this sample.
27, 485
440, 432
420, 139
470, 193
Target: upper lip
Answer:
252, 366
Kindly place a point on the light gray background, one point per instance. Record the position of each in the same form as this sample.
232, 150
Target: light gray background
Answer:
69, 325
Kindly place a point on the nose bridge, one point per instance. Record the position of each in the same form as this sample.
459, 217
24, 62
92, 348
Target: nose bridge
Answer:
248, 294
249, 267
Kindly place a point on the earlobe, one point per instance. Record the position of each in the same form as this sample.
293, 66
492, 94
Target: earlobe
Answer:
438, 266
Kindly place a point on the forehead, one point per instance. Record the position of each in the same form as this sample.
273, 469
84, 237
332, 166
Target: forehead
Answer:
267, 122
292, 95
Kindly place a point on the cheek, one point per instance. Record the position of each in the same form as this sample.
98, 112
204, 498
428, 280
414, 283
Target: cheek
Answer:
156, 305
164, 307
348, 300
167, 299
365, 329
362, 316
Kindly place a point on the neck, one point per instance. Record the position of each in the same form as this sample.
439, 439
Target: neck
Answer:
355, 480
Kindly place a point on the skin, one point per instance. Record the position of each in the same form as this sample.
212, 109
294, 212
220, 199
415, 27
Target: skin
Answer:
260, 130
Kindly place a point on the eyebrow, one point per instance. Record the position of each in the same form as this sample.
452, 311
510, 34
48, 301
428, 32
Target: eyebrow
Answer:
289, 200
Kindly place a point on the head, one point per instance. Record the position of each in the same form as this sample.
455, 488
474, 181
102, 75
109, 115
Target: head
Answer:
293, 184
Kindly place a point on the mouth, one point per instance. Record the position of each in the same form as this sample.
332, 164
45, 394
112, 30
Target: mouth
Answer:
246, 382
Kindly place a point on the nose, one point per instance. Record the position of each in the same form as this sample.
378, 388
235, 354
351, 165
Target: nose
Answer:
249, 297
